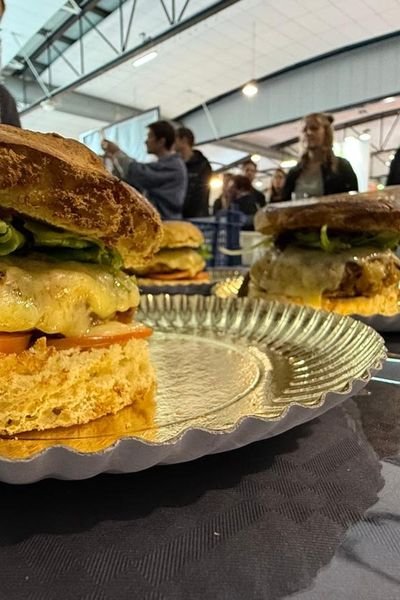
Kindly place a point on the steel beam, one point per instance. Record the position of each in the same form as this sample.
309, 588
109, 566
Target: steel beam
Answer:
138, 50
73, 103
88, 5
251, 148
381, 116
128, 30
392, 128
183, 10
325, 83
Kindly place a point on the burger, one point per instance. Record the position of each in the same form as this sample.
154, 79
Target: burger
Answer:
70, 349
335, 253
181, 259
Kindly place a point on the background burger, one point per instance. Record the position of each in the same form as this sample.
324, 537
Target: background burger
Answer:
336, 253
181, 259
70, 350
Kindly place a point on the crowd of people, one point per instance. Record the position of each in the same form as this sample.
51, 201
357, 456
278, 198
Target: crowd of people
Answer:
177, 183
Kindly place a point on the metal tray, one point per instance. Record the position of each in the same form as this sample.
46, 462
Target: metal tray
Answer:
230, 372
223, 283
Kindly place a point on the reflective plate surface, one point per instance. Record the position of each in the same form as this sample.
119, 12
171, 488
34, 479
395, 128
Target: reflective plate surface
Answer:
229, 372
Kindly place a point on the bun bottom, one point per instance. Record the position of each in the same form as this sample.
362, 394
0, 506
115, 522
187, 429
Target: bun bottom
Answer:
43, 388
387, 304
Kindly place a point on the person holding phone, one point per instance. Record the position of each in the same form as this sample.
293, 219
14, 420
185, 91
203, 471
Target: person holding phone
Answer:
164, 181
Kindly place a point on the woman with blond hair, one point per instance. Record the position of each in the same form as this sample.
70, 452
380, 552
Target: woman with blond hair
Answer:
319, 172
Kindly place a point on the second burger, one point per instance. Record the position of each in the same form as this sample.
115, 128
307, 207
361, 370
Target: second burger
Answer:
181, 259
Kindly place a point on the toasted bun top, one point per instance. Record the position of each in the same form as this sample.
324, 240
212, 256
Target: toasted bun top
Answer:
370, 211
61, 182
181, 234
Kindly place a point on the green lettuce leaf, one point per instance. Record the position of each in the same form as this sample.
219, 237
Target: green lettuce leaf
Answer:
337, 241
10, 239
44, 235
96, 254
205, 251
68, 246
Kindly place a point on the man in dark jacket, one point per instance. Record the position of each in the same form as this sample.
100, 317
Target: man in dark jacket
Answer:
199, 173
8, 109
163, 182
249, 170
394, 171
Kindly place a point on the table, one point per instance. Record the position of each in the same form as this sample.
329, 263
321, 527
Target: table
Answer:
313, 514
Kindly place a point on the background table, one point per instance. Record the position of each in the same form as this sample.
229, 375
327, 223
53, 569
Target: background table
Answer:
313, 514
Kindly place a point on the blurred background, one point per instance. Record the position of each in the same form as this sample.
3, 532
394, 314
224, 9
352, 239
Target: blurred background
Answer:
239, 73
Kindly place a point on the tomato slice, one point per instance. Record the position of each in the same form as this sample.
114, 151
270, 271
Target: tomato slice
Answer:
11, 343
99, 341
202, 276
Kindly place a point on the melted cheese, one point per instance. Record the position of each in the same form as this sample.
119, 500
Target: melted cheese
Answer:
60, 297
177, 259
307, 274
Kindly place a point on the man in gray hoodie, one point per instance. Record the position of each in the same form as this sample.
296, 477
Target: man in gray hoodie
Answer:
163, 182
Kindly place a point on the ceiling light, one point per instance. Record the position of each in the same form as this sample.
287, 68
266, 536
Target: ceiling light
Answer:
250, 89
389, 99
48, 104
365, 137
145, 58
288, 164
387, 163
255, 157
391, 156
258, 184
215, 182
380, 186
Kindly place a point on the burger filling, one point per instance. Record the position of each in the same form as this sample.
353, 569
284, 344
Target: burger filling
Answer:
179, 262
311, 264
61, 297
55, 282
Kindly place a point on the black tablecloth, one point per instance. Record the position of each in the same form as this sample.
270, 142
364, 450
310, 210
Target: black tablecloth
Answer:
313, 514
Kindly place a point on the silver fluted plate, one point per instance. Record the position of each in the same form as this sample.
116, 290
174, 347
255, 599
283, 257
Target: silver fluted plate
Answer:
223, 282
230, 372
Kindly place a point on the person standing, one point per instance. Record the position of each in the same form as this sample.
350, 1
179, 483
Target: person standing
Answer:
163, 182
199, 173
394, 171
241, 198
319, 172
275, 193
8, 109
249, 170
222, 202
